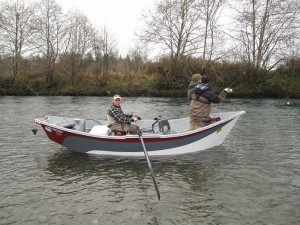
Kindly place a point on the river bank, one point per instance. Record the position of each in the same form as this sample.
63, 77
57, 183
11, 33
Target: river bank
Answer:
273, 88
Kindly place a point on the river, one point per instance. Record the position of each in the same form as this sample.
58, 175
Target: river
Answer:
253, 178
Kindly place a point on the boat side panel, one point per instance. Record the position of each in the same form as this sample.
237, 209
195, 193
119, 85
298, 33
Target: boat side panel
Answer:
85, 144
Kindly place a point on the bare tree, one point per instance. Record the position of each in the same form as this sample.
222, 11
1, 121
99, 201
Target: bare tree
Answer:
266, 31
97, 44
77, 43
210, 11
51, 30
16, 32
135, 61
184, 28
108, 50
173, 25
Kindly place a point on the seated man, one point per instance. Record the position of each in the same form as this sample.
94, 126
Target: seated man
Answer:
119, 120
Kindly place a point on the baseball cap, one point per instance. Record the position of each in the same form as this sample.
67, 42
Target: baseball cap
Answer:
117, 96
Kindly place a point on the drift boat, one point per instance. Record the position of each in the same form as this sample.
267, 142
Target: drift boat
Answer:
161, 137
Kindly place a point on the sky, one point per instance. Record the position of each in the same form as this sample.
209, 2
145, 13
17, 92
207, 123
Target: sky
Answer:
121, 17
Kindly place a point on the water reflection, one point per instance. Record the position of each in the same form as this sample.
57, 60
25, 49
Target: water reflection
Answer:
193, 169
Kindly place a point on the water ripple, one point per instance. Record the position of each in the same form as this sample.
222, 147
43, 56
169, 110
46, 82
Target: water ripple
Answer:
252, 179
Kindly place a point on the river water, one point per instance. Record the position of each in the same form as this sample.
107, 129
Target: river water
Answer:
253, 178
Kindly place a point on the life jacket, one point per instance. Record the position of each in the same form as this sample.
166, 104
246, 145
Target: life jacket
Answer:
201, 89
110, 119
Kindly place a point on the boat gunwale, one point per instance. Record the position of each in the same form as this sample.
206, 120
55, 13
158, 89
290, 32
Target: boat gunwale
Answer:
145, 135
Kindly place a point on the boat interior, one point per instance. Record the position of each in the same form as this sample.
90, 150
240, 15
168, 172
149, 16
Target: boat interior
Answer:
154, 126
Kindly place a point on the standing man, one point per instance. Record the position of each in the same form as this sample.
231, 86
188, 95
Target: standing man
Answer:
119, 120
201, 99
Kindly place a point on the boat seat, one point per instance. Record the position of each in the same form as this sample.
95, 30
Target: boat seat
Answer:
164, 126
66, 125
100, 130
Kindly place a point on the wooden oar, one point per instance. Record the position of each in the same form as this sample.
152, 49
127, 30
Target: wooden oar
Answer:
149, 163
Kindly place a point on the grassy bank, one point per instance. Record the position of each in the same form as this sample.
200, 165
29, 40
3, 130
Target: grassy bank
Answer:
140, 86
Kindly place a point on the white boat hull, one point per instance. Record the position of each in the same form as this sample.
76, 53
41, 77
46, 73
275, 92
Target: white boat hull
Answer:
179, 141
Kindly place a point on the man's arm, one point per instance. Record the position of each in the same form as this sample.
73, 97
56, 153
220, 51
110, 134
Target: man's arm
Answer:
118, 115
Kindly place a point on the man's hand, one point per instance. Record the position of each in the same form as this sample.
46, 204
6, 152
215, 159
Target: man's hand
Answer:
228, 90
